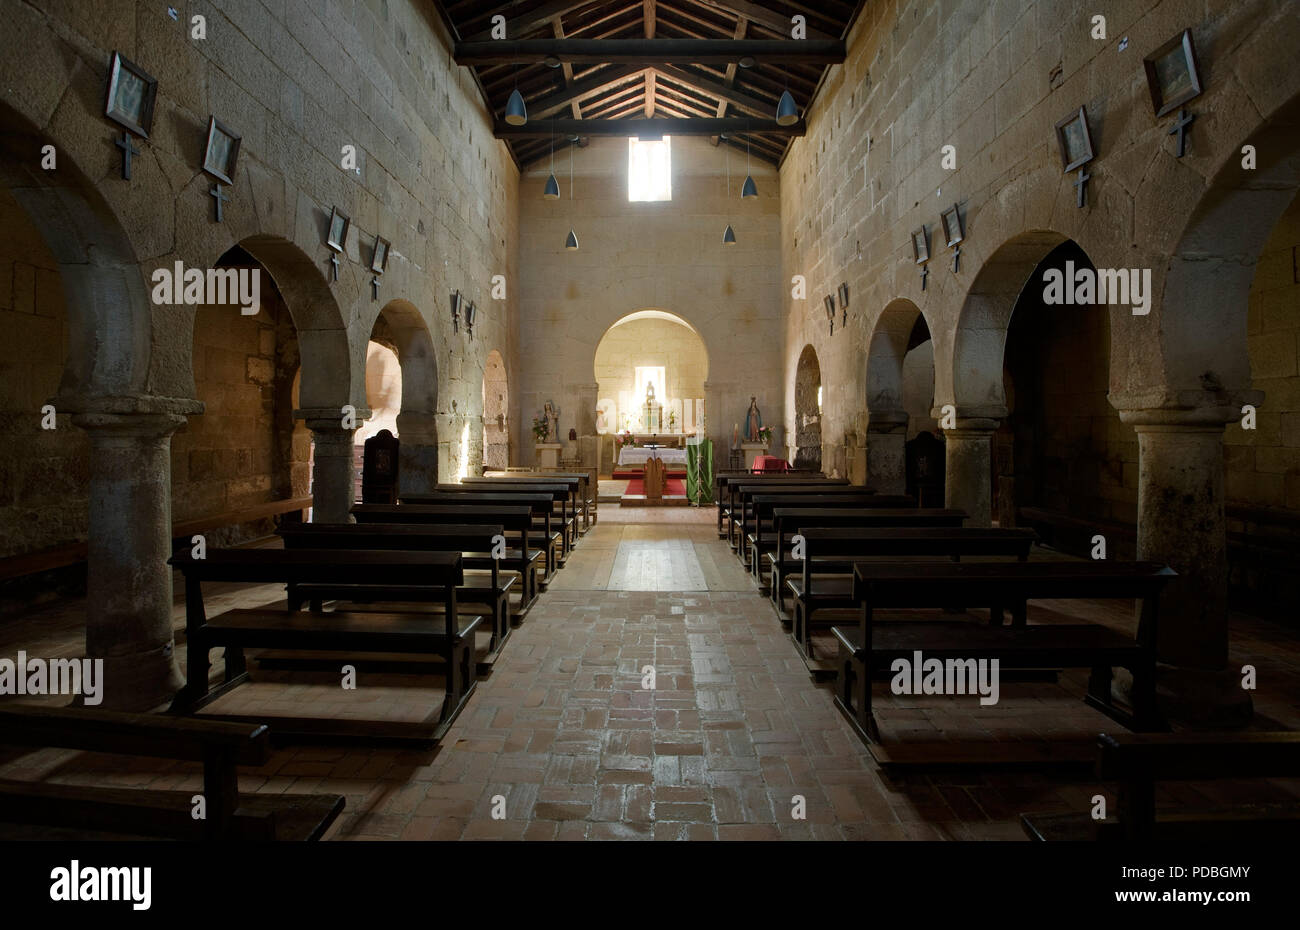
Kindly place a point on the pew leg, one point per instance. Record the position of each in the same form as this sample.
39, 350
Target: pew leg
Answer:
236, 663
1143, 695
1099, 684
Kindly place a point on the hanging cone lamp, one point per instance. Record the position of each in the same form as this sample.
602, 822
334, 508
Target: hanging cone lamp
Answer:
729, 236
571, 243
749, 188
552, 189
516, 112
787, 114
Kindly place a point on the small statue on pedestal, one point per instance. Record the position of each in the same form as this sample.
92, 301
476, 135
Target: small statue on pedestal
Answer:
753, 421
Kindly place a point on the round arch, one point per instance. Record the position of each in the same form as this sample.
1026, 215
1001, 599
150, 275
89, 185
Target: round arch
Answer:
648, 336
808, 410
496, 413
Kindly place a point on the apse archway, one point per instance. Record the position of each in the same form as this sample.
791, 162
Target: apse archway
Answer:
651, 350
402, 387
808, 411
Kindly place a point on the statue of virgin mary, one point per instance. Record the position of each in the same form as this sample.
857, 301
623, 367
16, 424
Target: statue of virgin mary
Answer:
753, 421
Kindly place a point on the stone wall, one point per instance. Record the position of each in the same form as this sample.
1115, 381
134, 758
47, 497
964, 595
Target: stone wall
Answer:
1264, 463
636, 256
43, 473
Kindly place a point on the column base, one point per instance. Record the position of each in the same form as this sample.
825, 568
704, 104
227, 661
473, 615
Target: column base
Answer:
138, 682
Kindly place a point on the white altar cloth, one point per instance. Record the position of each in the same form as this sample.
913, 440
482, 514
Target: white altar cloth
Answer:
635, 455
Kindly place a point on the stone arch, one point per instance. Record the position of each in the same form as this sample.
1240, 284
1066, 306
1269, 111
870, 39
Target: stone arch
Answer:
887, 417
974, 381
402, 328
586, 425
807, 410
496, 412
108, 308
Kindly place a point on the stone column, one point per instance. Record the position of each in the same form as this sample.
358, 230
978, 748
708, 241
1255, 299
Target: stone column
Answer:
1181, 523
886, 471
418, 468
128, 581
969, 469
332, 479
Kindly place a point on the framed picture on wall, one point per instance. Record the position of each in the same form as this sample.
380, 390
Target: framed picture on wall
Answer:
921, 245
131, 94
222, 151
338, 232
1074, 140
1172, 75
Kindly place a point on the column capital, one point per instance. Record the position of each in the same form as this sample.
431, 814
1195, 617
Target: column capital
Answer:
324, 415
75, 402
968, 426
994, 413
129, 425
1198, 417
886, 421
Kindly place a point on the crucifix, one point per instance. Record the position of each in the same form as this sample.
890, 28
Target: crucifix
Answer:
925, 273
334, 265
1081, 185
956, 259
220, 197
128, 149
1181, 127
374, 287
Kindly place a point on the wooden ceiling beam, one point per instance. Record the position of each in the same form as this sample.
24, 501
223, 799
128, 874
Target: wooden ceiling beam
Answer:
538, 129
718, 90
760, 14
651, 52
605, 80
526, 22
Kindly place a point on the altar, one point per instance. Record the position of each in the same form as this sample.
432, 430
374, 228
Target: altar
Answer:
635, 456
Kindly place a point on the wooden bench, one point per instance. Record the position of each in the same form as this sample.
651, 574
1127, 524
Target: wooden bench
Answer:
874, 646
343, 632
219, 745
521, 557
580, 497
488, 588
825, 574
567, 509
758, 525
786, 521
723, 479
542, 502
740, 495
1138, 762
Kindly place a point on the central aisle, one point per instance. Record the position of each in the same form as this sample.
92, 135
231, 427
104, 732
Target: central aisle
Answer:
732, 732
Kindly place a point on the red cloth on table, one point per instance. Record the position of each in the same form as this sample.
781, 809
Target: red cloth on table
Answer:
769, 463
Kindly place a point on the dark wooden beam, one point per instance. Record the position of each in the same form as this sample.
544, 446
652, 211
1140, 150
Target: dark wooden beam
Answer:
538, 129
533, 19
718, 90
760, 14
600, 83
650, 52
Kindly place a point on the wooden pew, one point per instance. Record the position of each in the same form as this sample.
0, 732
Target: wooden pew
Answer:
740, 493
1139, 761
581, 497
488, 588
517, 521
541, 501
723, 479
786, 521
569, 510
824, 579
342, 632
874, 646
219, 745
758, 525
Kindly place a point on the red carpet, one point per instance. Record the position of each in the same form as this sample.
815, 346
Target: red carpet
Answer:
673, 487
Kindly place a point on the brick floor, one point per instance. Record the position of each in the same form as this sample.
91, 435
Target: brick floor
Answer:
734, 739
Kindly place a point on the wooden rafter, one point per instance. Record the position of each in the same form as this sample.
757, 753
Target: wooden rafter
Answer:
538, 129
650, 52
